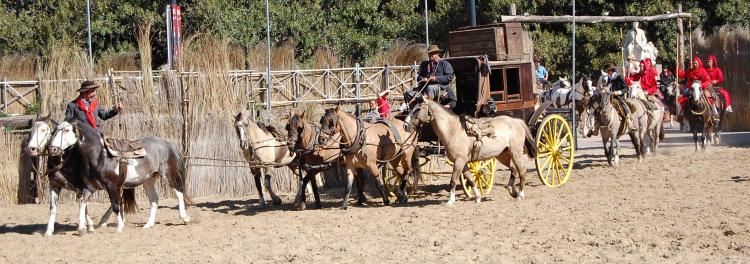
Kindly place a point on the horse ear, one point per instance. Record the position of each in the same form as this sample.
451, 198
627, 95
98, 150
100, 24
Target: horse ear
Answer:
302, 115
338, 108
238, 117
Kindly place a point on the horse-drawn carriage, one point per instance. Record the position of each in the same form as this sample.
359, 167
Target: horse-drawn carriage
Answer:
501, 84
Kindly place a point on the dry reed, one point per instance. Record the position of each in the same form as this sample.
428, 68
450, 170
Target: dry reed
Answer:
401, 52
730, 46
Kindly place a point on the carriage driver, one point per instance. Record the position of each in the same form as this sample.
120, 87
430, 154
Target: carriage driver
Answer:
435, 76
86, 107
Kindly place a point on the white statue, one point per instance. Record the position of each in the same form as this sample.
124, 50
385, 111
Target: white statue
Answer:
638, 48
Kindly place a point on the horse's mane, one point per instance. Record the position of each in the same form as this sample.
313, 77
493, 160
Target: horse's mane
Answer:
85, 128
434, 105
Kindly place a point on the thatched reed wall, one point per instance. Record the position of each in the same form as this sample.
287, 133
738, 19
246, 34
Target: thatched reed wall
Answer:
731, 47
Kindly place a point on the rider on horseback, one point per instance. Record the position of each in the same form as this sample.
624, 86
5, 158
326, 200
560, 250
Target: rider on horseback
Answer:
717, 77
619, 87
696, 74
86, 107
647, 79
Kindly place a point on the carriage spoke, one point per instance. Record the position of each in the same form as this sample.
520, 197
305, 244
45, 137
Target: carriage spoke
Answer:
559, 170
544, 154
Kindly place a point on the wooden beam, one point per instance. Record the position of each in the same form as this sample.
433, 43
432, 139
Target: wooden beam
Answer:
592, 19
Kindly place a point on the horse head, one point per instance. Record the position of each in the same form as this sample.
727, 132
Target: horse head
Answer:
294, 130
696, 92
562, 82
41, 132
422, 113
66, 135
329, 123
240, 122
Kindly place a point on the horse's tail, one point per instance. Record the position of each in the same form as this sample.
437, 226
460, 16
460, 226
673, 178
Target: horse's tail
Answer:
529, 142
181, 179
129, 203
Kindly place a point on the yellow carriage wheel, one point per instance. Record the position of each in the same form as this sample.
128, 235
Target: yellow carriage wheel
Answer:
484, 176
555, 151
392, 182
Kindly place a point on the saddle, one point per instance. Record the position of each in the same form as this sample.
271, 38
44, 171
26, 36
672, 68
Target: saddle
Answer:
126, 149
478, 128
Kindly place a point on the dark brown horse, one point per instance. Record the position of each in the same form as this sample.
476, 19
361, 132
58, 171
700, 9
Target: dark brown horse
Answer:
701, 117
312, 156
82, 152
59, 177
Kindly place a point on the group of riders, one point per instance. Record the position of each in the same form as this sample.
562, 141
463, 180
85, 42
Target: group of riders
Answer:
645, 74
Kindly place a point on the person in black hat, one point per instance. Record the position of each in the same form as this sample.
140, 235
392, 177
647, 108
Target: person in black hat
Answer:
435, 76
619, 87
86, 107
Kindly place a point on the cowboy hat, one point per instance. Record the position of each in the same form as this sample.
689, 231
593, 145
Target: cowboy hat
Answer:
384, 92
433, 49
609, 66
86, 86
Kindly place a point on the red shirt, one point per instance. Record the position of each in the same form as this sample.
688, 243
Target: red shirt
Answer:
697, 74
647, 77
384, 108
715, 72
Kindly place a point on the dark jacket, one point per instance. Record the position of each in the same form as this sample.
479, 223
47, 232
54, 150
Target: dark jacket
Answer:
443, 72
74, 112
449, 99
618, 84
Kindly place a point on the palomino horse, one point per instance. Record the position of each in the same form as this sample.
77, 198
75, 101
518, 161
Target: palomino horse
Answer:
41, 132
612, 127
263, 151
366, 146
313, 157
82, 152
701, 117
512, 137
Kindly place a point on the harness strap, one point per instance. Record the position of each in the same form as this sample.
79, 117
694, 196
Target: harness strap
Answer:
358, 141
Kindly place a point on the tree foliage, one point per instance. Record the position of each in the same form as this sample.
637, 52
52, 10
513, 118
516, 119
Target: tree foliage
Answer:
355, 29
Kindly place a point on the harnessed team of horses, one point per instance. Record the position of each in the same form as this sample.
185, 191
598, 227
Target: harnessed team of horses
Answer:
80, 160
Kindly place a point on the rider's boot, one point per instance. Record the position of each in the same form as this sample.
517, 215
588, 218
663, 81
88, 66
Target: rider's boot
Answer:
729, 109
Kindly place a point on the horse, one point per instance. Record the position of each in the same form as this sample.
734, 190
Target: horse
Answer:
303, 138
612, 127
700, 116
559, 94
262, 150
41, 132
366, 146
512, 138
669, 92
83, 153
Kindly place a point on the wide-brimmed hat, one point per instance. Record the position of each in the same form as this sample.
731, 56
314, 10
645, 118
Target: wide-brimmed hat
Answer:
609, 66
87, 86
433, 49
384, 92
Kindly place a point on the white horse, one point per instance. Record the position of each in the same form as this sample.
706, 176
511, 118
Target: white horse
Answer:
558, 93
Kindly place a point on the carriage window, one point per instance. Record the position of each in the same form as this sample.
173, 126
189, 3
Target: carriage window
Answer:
514, 83
497, 85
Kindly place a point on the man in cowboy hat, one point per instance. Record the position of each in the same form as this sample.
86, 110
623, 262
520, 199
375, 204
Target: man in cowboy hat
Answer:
86, 107
619, 87
435, 74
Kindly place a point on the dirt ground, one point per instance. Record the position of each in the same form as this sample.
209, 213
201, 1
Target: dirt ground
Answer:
679, 206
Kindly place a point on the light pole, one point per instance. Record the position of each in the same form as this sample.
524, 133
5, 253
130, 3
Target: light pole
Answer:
88, 18
268, 65
426, 26
573, 105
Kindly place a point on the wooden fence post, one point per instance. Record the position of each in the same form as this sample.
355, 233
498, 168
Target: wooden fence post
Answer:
3, 90
295, 84
386, 75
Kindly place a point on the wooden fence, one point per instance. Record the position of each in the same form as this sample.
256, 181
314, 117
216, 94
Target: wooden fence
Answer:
170, 104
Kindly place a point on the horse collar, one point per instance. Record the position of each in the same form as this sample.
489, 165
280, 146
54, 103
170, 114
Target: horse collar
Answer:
358, 141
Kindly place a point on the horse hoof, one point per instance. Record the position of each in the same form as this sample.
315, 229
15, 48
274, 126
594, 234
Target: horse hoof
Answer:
91, 229
479, 200
344, 207
103, 225
276, 201
301, 207
147, 226
450, 203
520, 196
186, 220
47, 234
82, 232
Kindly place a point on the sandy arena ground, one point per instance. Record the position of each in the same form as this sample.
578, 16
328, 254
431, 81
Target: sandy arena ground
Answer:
679, 206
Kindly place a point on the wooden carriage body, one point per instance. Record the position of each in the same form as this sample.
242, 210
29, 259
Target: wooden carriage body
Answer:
511, 78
